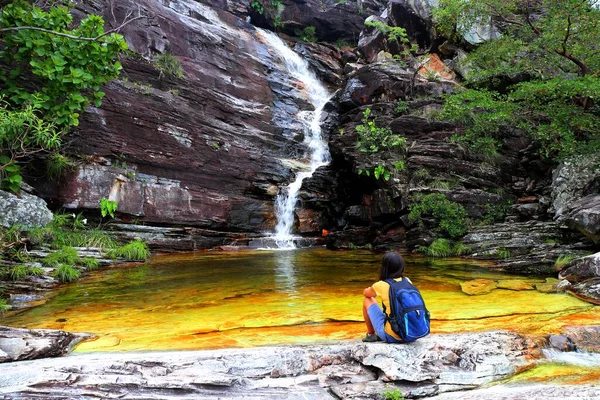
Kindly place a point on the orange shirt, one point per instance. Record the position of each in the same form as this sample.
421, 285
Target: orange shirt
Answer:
382, 289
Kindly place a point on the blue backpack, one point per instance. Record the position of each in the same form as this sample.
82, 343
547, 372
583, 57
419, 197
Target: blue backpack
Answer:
408, 315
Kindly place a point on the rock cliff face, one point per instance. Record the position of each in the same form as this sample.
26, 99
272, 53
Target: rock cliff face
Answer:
204, 149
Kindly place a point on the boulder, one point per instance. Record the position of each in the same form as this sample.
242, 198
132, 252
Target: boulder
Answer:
581, 269
584, 216
24, 209
584, 338
588, 290
571, 180
25, 344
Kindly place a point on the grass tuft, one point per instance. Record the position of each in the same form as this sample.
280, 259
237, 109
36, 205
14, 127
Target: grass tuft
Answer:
66, 273
562, 261
90, 263
132, 251
441, 248
66, 255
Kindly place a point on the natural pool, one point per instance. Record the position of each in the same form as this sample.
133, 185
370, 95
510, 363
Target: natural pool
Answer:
252, 298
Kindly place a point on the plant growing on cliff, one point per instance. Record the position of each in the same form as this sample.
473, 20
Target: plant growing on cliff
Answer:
108, 207
541, 76
449, 218
53, 71
394, 34
372, 139
308, 34
393, 395
168, 64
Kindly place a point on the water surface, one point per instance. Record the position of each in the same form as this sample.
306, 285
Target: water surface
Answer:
251, 298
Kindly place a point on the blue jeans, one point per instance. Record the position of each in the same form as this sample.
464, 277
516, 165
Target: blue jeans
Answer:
377, 318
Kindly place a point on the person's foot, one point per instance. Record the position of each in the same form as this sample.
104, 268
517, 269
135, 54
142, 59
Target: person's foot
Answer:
371, 337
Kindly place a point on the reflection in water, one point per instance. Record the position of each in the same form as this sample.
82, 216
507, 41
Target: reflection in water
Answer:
285, 273
252, 298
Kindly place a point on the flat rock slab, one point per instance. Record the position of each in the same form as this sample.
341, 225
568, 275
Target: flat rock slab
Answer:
478, 286
514, 284
432, 365
25, 344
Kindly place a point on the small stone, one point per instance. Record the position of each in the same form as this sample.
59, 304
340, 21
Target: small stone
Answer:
478, 286
514, 284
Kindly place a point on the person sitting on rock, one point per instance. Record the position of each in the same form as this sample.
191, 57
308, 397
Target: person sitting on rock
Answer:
378, 328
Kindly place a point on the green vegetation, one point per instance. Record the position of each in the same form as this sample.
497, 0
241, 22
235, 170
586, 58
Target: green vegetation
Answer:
372, 139
494, 213
57, 164
539, 76
168, 64
65, 255
394, 34
503, 252
393, 395
3, 306
562, 261
66, 273
449, 218
89, 263
132, 251
68, 63
257, 6
444, 248
307, 34
401, 107
17, 272
108, 207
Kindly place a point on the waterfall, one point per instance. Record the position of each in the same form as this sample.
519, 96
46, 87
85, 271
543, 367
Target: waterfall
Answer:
318, 152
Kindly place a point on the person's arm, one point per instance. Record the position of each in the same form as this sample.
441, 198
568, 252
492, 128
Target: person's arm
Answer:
369, 292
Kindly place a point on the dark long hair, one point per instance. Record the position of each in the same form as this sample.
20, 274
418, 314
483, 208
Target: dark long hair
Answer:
392, 266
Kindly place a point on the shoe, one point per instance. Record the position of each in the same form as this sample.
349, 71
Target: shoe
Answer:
371, 337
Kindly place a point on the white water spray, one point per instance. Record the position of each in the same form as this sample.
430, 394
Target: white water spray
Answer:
318, 152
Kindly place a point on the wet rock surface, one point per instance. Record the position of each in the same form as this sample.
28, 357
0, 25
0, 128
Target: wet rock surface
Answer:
436, 364
532, 247
25, 344
199, 150
581, 269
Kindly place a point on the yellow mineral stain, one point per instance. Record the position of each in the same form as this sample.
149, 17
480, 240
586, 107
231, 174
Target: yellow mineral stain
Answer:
254, 298
560, 374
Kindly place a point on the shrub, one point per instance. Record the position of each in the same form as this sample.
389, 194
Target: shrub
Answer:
372, 138
132, 251
450, 217
66, 273
168, 64
401, 107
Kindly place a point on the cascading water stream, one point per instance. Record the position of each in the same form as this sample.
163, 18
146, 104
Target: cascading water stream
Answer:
318, 152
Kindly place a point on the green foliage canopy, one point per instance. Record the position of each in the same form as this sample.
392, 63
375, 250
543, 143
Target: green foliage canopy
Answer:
51, 71
540, 76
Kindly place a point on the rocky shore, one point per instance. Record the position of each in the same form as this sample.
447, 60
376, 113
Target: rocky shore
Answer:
455, 366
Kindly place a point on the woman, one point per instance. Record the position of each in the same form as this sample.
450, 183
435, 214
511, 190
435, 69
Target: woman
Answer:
392, 267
